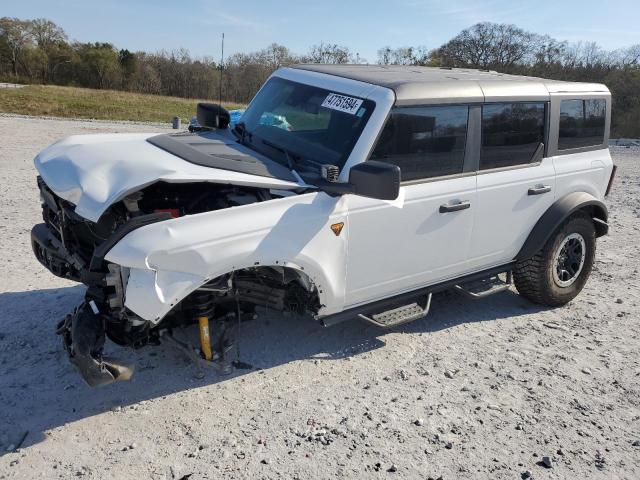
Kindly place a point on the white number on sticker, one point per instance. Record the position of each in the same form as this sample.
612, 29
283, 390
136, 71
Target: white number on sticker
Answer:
342, 103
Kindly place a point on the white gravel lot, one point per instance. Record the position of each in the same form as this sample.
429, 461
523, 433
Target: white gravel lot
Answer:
475, 390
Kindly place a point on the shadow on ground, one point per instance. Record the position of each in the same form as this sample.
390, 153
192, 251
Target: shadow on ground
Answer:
40, 390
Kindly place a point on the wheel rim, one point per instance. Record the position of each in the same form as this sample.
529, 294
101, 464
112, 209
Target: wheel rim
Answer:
568, 260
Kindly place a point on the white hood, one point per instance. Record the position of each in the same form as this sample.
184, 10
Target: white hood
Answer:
94, 171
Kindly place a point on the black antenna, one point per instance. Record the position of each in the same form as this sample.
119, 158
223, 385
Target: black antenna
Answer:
221, 68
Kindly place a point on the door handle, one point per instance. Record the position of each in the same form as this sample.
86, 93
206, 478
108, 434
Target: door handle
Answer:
455, 207
539, 189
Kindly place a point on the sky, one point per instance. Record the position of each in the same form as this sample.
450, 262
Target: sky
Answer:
363, 26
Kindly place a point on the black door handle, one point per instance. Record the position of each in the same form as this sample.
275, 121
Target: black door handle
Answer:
539, 190
455, 207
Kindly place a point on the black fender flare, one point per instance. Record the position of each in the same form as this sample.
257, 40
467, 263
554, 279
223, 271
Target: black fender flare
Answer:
558, 213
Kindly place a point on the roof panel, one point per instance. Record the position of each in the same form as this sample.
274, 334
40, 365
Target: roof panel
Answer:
562, 87
438, 92
508, 90
413, 84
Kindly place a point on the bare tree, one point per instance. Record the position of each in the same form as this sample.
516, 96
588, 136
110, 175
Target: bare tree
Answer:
329, 53
549, 50
52, 47
489, 45
46, 33
404, 56
584, 55
630, 56
15, 35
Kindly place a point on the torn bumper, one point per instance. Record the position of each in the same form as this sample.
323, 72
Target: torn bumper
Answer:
50, 252
83, 335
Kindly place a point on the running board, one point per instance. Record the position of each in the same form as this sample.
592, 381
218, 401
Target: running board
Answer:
484, 287
409, 297
399, 315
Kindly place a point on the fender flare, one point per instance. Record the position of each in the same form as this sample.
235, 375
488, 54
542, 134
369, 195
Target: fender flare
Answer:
557, 213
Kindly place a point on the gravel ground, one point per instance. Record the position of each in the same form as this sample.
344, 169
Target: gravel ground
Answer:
493, 389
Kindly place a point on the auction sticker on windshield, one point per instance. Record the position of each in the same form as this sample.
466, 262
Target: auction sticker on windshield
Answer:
342, 103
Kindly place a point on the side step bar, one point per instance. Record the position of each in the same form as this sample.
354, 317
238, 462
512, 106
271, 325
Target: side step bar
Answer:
484, 287
387, 304
399, 315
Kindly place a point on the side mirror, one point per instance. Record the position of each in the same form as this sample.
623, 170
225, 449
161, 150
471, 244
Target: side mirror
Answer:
212, 115
375, 179
371, 179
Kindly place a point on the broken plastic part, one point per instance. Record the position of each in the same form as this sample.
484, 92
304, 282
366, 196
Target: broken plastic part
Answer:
83, 335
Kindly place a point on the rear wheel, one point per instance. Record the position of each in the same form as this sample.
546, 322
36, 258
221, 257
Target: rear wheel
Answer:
559, 271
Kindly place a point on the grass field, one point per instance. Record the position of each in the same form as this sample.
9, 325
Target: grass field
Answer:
74, 102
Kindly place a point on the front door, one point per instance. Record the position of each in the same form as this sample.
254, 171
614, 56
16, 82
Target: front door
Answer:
424, 236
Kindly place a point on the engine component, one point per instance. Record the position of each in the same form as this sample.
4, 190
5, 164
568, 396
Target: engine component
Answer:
205, 338
201, 302
275, 288
131, 203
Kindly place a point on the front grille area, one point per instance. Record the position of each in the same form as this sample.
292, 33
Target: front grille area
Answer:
77, 235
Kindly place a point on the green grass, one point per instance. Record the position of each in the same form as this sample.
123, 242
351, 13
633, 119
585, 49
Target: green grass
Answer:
74, 102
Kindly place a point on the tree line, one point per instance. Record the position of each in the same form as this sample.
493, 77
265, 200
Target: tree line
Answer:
39, 51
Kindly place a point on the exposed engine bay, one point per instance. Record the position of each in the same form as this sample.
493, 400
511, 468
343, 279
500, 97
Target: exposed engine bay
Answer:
73, 247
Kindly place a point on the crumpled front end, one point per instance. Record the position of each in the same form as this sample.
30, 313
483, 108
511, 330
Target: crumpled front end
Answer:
76, 248
72, 247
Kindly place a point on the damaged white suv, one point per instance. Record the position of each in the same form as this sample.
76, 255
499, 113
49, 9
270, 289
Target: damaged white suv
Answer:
344, 191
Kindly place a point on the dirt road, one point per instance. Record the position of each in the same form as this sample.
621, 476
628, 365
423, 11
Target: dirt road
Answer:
476, 390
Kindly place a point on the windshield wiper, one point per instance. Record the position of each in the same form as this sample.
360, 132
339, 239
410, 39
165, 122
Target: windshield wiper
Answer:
290, 155
287, 153
240, 131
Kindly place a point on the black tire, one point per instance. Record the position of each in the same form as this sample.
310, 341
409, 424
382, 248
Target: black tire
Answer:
535, 279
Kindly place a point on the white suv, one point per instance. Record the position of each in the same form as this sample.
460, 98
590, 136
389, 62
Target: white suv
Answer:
344, 191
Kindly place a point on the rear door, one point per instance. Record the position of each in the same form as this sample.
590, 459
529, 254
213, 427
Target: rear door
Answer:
423, 237
516, 182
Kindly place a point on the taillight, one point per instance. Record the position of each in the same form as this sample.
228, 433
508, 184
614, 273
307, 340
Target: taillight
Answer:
174, 212
610, 184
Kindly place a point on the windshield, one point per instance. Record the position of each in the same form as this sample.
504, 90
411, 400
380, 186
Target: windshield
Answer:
303, 126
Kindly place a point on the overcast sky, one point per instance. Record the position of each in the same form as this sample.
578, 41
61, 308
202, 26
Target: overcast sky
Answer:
362, 25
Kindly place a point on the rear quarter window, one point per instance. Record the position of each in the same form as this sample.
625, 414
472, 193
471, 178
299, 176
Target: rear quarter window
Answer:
582, 123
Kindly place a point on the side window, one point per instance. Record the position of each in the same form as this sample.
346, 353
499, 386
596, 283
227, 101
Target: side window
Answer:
581, 123
511, 133
425, 142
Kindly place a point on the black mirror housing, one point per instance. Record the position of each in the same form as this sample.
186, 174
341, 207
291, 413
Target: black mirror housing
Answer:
375, 179
212, 115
